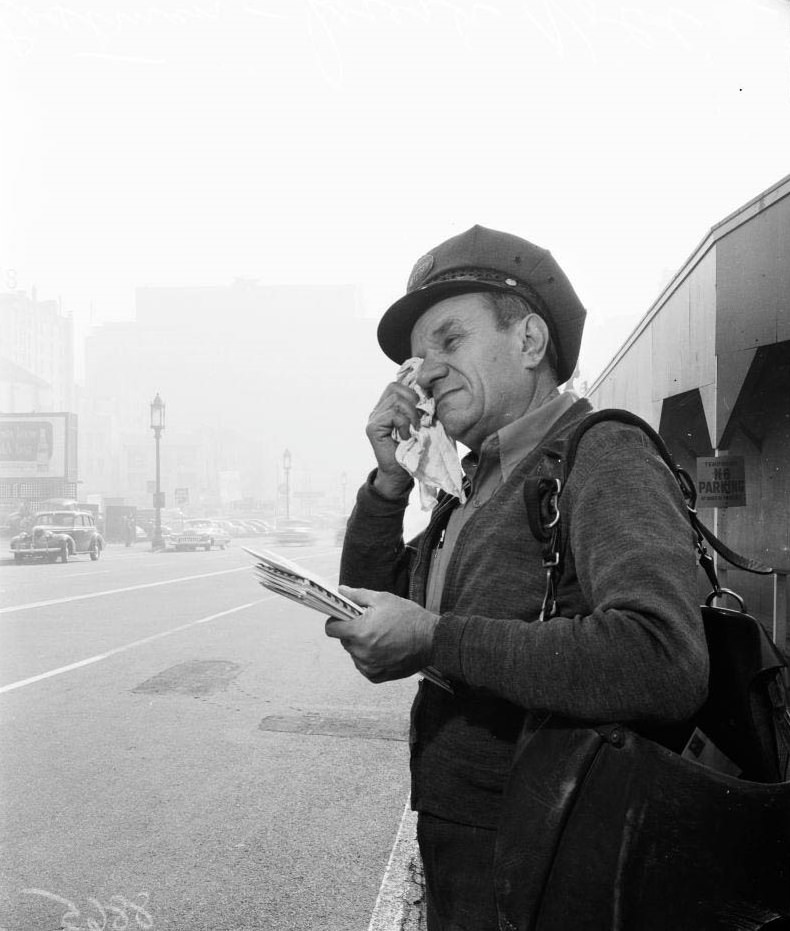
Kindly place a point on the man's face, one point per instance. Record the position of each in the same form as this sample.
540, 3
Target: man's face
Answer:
474, 371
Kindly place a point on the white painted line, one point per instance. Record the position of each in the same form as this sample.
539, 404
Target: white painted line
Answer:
118, 591
400, 902
128, 646
133, 588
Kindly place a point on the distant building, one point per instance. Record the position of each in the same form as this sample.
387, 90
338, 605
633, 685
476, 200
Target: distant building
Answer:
709, 367
37, 399
246, 371
36, 355
21, 390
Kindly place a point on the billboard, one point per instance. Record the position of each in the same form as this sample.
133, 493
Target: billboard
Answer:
38, 446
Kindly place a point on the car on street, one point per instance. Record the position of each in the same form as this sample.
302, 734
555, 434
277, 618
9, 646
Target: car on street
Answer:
260, 527
236, 528
294, 532
198, 533
54, 535
229, 529
250, 528
167, 539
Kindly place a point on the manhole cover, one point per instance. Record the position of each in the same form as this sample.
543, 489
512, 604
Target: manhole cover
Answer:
335, 725
196, 678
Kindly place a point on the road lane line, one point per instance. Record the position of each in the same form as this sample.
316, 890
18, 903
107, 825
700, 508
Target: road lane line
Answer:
129, 646
118, 591
134, 588
399, 905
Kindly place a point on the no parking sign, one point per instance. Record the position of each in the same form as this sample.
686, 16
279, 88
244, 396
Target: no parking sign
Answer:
721, 482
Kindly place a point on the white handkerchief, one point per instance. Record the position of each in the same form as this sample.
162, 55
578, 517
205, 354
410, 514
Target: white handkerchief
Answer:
428, 454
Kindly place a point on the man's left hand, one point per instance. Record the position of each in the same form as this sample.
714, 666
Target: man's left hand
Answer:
391, 639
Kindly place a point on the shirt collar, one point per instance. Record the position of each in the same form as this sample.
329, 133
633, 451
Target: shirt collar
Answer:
515, 440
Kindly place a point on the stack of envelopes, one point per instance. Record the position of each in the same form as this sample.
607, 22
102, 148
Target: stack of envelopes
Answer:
286, 578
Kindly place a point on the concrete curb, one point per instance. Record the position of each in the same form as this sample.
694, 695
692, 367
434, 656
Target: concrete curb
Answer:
400, 905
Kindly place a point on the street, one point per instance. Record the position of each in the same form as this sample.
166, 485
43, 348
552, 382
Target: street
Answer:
183, 749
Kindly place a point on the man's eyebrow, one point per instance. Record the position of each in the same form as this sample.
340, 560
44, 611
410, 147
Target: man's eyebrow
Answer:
447, 326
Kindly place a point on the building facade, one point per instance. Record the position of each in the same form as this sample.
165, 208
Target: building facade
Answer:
36, 354
709, 367
37, 398
246, 372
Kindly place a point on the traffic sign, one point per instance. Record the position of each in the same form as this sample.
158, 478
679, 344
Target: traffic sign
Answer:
721, 482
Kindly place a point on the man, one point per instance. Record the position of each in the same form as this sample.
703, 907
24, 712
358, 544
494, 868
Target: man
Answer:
498, 327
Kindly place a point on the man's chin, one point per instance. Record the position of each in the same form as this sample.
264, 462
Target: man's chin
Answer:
453, 427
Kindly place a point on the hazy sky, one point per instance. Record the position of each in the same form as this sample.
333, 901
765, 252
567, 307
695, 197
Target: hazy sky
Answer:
312, 141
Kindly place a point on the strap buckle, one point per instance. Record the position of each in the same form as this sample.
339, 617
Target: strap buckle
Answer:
552, 505
550, 512
549, 606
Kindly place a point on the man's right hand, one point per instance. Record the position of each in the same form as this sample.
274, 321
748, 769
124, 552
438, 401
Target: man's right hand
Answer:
396, 410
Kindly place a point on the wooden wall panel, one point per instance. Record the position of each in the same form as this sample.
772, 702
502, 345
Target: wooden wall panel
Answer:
630, 383
753, 281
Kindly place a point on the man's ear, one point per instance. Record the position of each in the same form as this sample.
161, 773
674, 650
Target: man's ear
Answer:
535, 340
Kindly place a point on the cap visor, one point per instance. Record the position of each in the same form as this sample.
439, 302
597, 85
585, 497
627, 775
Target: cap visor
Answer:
394, 330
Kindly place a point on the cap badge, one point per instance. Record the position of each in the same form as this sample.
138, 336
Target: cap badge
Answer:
420, 272
511, 282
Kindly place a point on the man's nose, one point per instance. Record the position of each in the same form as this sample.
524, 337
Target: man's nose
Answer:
431, 371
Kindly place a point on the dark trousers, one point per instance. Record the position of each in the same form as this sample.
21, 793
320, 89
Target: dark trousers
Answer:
458, 863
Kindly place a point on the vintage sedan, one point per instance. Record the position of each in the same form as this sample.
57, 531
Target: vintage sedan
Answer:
294, 532
198, 534
57, 535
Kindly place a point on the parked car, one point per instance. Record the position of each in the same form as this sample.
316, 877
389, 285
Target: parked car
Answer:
294, 532
198, 533
237, 528
57, 535
167, 537
243, 529
148, 527
260, 526
226, 525
250, 529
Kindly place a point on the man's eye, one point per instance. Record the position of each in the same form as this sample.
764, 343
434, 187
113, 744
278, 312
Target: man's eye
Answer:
451, 342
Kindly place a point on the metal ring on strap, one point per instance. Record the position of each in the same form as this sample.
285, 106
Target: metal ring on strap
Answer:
725, 591
553, 503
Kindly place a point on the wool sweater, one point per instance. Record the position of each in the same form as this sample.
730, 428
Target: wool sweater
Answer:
626, 644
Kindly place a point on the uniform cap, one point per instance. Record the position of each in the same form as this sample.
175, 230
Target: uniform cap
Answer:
483, 259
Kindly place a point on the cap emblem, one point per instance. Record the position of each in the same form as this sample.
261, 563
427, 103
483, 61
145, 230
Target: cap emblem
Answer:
420, 272
511, 282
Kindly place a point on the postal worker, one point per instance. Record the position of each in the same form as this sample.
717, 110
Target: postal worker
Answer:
498, 327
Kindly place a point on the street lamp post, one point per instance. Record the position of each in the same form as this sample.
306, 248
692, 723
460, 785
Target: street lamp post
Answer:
287, 470
158, 425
